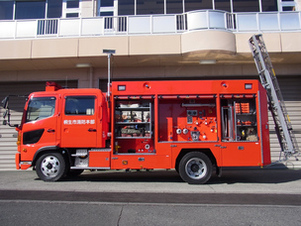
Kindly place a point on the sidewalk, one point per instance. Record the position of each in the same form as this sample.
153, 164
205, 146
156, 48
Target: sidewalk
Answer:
246, 181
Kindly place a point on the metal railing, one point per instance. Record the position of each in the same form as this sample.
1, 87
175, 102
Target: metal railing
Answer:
152, 24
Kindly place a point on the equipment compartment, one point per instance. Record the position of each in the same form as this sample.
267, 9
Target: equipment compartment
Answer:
190, 118
239, 119
133, 126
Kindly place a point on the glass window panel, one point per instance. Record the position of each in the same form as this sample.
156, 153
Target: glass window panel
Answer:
106, 13
81, 105
150, 7
104, 3
71, 4
223, 5
245, 6
40, 108
174, 6
191, 5
288, 8
54, 9
269, 5
68, 15
6, 10
30, 10
126, 7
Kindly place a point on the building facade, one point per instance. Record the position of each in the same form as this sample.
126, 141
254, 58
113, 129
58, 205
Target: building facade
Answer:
63, 41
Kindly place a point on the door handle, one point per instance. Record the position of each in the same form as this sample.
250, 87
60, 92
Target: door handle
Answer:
92, 130
50, 130
218, 145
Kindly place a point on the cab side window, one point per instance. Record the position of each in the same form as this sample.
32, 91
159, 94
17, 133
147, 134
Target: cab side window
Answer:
80, 105
40, 108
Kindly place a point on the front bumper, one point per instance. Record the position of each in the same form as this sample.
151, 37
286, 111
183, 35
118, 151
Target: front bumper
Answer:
23, 165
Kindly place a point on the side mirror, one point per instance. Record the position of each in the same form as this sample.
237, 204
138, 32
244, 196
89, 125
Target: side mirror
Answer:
7, 122
5, 114
5, 102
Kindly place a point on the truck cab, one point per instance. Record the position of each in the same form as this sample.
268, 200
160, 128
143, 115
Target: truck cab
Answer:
57, 122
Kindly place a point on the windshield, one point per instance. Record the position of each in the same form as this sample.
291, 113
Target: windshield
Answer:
40, 108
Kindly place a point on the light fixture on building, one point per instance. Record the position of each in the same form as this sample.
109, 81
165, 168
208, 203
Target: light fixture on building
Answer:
207, 62
83, 65
109, 51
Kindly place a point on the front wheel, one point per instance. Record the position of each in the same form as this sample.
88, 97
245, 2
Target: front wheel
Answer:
195, 168
51, 166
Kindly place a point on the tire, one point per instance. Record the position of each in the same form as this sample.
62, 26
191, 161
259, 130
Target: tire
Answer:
195, 168
51, 166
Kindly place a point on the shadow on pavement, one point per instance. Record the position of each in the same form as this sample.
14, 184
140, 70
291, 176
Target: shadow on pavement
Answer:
229, 176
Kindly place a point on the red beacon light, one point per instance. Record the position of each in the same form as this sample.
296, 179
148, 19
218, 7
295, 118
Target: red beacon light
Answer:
52, 86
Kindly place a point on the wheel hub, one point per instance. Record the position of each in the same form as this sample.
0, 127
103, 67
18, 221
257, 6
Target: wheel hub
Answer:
50, 166
196, 168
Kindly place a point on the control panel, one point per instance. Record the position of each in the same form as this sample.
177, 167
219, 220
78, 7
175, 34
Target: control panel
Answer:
198, 125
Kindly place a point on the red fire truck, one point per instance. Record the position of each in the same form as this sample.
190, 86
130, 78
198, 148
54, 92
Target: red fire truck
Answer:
195, 127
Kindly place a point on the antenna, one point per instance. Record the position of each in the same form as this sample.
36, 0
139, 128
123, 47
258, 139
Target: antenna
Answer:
109, 52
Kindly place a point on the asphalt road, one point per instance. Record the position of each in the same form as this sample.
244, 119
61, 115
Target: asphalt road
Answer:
240, 197
95, 213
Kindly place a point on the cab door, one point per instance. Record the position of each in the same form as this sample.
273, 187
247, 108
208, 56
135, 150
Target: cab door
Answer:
79, 121
39, 124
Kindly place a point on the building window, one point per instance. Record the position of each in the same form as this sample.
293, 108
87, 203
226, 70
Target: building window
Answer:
36, 9
191, 5
6, 10
223, 5
30, 10
54, 9
71, 8
174, 6
73, 4
126, 7
106, 13
106, 3
288, 8
245, 6
150, 7
70, 15
269, 5
103, 85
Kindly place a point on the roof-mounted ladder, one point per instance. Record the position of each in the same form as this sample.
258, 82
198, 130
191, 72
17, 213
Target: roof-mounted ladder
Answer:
283, 127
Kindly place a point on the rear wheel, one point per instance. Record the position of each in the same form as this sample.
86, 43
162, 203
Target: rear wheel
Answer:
195, 168
51, 166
